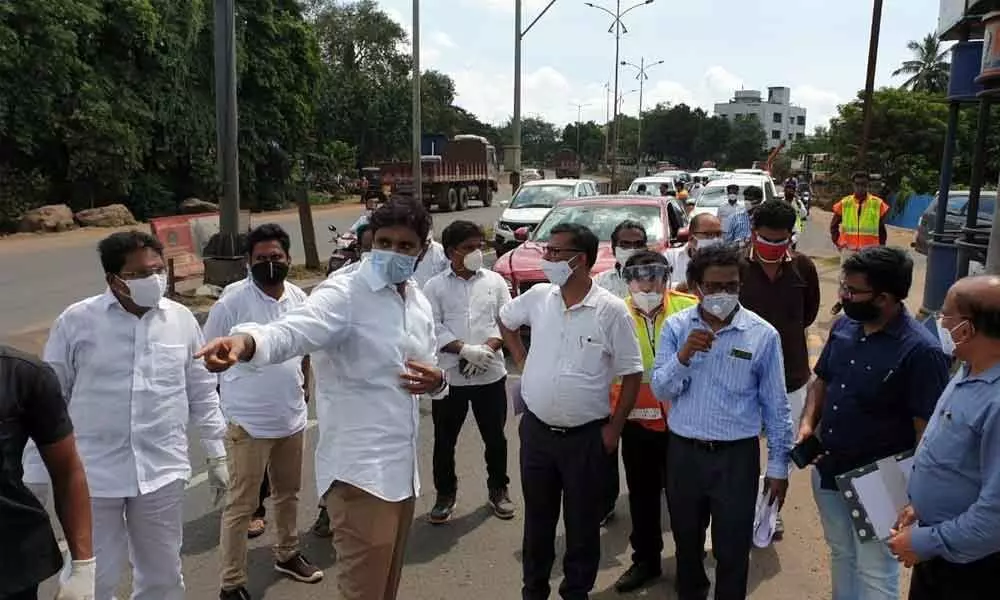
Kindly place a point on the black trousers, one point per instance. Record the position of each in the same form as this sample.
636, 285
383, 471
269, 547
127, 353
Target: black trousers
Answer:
561, 470
644, 455
938, 579
719, 482
265, 492
29, 594
489, 407
612, 484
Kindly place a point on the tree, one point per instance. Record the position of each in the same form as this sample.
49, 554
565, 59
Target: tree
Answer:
928, 70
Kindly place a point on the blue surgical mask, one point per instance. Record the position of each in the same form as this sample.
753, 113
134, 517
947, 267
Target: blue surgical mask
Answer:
392, 266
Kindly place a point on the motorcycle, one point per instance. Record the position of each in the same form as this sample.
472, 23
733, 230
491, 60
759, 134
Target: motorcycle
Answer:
345, 250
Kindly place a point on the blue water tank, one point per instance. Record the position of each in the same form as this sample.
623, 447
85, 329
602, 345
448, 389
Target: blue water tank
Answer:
966, 60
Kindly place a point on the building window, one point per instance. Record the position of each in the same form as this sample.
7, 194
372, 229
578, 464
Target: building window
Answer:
775, 134
777, 117
800, 136
739, 117
801, 121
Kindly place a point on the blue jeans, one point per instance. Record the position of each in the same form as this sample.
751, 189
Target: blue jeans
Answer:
860, 571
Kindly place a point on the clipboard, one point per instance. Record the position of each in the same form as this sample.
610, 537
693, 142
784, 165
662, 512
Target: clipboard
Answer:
876, 493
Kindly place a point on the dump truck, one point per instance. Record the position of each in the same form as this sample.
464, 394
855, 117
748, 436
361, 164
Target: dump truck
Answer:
455, 172
566, 164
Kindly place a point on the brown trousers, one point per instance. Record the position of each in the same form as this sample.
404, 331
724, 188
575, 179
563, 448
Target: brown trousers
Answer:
249, 458
369, 536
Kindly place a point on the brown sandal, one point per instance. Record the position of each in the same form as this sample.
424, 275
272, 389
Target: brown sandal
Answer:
256, 528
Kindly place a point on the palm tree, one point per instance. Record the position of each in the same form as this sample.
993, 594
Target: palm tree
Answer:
928, 70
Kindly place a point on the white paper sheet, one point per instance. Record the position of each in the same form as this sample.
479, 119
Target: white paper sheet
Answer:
882, 493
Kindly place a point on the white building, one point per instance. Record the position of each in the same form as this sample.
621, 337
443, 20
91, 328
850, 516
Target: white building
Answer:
780, 119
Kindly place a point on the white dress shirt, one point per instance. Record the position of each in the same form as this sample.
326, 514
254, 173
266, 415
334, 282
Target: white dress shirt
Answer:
678, 259
433, 262
575, 352
132, 386
612, 281
467, 310
358, 332
267, 402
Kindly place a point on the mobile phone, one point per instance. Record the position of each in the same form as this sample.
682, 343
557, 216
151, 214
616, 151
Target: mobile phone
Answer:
806, 451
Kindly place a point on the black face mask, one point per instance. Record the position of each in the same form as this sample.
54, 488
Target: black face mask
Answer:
269, 273
862, 312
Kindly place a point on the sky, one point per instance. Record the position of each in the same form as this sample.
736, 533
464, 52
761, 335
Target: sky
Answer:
710, 48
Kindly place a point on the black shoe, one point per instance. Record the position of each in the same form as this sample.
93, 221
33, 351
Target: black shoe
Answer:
779, 530
443, 507
637, 576
300, 569
500, 502
321, 528
239, 593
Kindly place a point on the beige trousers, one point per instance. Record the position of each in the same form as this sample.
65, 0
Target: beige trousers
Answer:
369, 536
249, 458
846, 253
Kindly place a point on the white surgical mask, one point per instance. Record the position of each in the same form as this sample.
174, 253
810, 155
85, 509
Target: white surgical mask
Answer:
948, 344
720, 305
558, 273
473, 261
647, 301
732, 198
707, 243
623, 254
148, 291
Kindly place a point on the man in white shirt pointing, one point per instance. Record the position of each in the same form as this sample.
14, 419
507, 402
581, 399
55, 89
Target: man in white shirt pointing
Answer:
266, 413
370, 337
124, 362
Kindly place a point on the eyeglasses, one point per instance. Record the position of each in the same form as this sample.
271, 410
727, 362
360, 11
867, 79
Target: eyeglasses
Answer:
849, 293
554, 250
719, 287
653, 272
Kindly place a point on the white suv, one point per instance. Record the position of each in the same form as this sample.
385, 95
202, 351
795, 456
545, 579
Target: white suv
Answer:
532, 201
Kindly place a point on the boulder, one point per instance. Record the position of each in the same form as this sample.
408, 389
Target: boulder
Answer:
44, 219
112, 215
193, 206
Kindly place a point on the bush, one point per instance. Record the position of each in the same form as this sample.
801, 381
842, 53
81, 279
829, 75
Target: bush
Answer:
19, 193
150, 196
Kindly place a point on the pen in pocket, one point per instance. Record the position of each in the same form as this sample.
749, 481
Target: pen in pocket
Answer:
888, 375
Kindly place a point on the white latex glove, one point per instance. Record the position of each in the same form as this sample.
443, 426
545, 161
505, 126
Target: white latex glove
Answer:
79, 585
218, 478
472, 370
477, 354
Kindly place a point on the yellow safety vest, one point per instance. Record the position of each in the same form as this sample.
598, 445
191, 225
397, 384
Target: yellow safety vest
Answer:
859, 229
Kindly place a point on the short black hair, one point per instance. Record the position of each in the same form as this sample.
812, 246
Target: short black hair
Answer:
115, 248
628, 224
268, 232
752, 191
775, 215
732, 186
404, 211
647, 257
887, 270
457, 232
860, 175
722, 255
694, 224
983, 313
583, 239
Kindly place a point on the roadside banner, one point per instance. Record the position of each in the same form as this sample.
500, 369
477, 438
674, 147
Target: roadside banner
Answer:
184, 238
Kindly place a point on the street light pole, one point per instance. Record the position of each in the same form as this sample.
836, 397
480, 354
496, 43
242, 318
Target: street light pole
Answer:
227, 123
866, 109
607, 120
579, 118
515, 122
418, 187
642, 77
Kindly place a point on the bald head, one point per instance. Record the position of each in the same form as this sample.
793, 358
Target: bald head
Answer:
704, 222
978, 300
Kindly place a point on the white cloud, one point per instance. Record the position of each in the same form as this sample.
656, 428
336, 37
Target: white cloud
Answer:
441, 39
508, 5
820, 104
719, 84
432, 45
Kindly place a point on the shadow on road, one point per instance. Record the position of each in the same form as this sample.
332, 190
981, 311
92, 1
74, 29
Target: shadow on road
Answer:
427, 542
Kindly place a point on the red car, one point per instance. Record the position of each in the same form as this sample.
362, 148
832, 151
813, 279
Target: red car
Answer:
601, 214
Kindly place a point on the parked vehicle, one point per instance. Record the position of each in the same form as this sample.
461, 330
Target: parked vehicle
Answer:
566, 164
652, 183
465, 170
345, 250
530, 175
713, 194
521, 268
955, 215
532, 201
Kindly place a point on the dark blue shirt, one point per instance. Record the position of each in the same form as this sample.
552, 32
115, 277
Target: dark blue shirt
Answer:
876, 385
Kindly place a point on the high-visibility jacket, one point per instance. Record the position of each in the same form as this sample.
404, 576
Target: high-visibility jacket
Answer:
648, 411
859, 229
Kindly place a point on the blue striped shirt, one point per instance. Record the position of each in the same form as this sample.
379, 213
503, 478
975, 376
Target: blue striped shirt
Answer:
726, 393
736, 228
955, 483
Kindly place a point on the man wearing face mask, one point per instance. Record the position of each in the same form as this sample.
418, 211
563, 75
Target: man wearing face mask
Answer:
370, 335
950, 534
581, 338
627, 238
859, 219
705, 231
124, 362
782, 286
266, 413
732, 204
877, 381
466, 300
736, 226
644, 437
719, 366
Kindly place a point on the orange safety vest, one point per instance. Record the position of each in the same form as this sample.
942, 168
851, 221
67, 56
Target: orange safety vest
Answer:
648, 411
859, 229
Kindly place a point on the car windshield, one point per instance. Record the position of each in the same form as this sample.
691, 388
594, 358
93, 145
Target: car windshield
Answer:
957, 204
715, 196
602, 219
540, 196
650, 188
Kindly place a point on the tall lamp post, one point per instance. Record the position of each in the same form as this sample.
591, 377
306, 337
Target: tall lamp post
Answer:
866, 108
579, 118
618, 28
642, 67
418, 184
621, 104
515, 122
